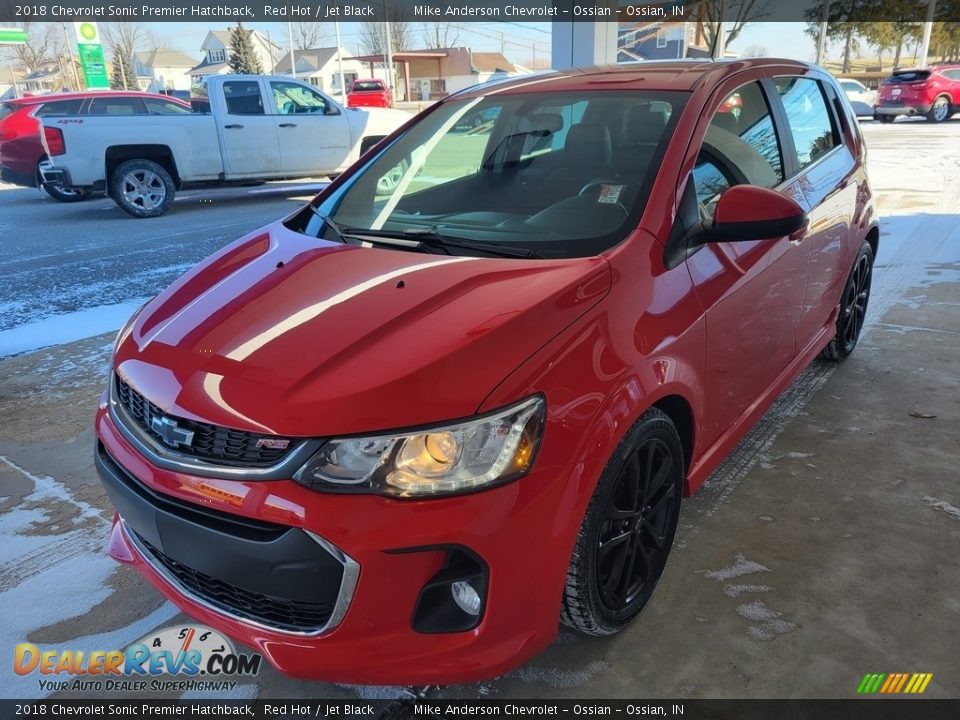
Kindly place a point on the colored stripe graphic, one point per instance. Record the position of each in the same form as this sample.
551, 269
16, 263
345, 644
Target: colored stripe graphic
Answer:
894, 683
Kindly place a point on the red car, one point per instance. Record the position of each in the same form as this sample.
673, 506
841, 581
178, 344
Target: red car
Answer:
21, 150
369, 93
402, 434
933, 92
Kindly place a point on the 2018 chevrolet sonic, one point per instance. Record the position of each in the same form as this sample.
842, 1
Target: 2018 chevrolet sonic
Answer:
399, 435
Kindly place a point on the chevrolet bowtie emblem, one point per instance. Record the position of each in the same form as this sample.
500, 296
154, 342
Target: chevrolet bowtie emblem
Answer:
172, 434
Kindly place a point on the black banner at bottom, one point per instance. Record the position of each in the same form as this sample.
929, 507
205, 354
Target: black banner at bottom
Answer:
860, 709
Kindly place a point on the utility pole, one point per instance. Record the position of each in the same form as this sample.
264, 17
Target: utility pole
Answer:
13, 79
822, 41
389, 57
293, 62
123, 73
343, 85
76, 78
927, 28
720, 46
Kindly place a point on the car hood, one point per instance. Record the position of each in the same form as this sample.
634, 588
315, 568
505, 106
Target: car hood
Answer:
291, 335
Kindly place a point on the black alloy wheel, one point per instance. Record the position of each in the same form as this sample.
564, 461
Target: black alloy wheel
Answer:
628, 529
636, 523
853, 306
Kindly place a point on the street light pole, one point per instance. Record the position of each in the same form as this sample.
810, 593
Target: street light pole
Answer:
822, 41
293, 63
927, 28
343, 86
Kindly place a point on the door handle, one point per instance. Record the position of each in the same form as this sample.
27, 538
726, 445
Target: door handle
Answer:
233, 127
288, 124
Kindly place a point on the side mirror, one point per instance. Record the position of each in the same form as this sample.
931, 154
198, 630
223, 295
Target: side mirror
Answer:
749, 212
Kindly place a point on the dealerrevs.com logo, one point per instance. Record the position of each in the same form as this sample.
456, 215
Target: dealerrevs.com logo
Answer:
199, 653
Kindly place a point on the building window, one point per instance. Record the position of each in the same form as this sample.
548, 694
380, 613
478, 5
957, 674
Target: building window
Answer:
661, 39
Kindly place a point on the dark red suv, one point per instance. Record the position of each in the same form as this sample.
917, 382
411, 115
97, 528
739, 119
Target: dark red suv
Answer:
21, 150
933, 92
400, 435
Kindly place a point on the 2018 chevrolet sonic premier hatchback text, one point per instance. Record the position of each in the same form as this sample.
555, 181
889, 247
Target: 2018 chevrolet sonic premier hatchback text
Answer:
400, 435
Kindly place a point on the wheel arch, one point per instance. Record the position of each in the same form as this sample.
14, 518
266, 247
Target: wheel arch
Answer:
873, 238
680, 412
158, 153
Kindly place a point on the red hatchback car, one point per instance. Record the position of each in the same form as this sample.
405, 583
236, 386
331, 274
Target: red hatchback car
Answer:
398, 436
369, 93
932, 92
21, 150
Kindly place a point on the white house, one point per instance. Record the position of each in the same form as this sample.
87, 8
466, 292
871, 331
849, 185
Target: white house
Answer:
320, 68
452, 69
163, 69
216, 54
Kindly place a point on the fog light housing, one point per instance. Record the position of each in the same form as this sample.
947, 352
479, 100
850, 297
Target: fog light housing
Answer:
455, 598
466, 598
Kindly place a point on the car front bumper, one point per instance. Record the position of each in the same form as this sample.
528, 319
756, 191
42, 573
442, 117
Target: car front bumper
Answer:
395, 548
901, 109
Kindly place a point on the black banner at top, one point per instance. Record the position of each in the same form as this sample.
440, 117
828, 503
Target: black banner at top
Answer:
464, 11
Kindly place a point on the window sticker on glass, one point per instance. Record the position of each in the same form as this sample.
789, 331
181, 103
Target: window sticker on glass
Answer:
610, 194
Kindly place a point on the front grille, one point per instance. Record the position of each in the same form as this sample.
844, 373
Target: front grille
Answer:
212, 443
280, 613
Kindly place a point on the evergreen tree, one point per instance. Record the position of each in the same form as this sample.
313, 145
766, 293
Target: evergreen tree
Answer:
243, 58
123, 76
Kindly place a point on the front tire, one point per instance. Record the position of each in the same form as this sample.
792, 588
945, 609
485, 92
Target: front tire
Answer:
628, 529
853, 306
940, 110
142, 188
884, 119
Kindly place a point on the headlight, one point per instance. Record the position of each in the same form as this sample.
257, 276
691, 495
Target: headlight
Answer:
476, 453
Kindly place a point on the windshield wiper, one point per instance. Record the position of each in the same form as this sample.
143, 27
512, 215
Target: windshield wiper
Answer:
433, 239
337, 230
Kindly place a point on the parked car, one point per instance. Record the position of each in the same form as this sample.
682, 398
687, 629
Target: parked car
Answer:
396, 436
933, 92
857, 92
21, 150
255, 128
369, 93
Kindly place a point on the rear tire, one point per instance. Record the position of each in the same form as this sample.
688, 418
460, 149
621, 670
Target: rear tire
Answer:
142, 188
940, 110
853, 307
628, 529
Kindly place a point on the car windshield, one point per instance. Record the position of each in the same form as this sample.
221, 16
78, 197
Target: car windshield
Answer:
369, 85
555, 174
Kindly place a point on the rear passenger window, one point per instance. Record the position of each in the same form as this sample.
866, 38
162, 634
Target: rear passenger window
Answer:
117, 106
811, 124
61, 107
156, 106
243, 97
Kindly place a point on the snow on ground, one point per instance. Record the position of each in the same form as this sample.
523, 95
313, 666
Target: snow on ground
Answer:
66, 327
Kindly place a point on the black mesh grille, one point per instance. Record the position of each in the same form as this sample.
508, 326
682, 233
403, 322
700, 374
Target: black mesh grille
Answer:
210, 442
273, 611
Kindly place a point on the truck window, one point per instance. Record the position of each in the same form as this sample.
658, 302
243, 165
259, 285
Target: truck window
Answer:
156, 106
293, 98
60, 107
243, 97
116, 106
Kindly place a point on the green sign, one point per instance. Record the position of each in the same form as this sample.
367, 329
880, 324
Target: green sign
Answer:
13, 36
94, 68
91, 55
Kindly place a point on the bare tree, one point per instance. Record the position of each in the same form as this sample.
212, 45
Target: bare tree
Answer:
740, 13
46, 42
439, 35
756, 51
373, 37
306, 35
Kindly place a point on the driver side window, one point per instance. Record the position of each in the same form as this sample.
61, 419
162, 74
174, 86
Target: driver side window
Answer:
295, 99
741, 146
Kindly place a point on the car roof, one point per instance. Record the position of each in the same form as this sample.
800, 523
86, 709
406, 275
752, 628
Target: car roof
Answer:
38, 99
682, 75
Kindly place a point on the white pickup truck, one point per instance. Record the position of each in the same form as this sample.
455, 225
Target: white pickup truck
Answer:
257, 128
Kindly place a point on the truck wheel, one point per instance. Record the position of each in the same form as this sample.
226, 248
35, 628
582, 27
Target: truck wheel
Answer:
142, 188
